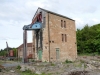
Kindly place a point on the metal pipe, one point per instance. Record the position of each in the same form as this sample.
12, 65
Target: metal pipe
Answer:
7, 52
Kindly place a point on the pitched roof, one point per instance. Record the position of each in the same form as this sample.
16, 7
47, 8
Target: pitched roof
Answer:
55, 13
28, 45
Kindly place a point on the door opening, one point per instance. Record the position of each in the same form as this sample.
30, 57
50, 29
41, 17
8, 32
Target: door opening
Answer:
57, 53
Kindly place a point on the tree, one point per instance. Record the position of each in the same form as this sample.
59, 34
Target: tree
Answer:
15, 52
88, 39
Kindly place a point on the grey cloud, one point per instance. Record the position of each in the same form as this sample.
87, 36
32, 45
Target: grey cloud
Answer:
77, 7
93, 21
16, 11
6, 38
3, 39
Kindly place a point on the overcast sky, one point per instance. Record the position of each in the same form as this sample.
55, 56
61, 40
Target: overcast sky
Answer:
14, 14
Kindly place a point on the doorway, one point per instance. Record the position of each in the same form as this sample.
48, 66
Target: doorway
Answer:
40, 54
57, 53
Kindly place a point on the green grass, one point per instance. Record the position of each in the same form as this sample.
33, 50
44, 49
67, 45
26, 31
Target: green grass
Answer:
28, 72
45, 73
78, 65
52, 64
2, 61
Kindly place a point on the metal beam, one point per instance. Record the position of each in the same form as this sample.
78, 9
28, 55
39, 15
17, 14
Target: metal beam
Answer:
37, 37
36, 26
24, 60
41, 39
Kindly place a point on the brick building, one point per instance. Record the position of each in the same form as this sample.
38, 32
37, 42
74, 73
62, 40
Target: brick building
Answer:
30, 53
56, 40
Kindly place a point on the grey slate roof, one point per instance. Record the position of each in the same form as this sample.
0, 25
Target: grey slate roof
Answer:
55, 13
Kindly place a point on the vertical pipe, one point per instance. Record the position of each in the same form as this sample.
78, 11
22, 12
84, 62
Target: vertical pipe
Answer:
7, 49
49, 37
37, 42
41, 39
34, 37
23, 45
17, 54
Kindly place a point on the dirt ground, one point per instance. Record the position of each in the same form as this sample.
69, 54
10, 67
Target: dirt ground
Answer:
84, 65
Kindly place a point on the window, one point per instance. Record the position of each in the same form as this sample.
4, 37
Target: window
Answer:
44, 22
62, 37
61, 23
52, 41
65, 38
64, 24
45, 47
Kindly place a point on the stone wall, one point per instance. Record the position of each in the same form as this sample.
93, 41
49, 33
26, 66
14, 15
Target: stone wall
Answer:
45, 53
67, 50
52, 39
20, 52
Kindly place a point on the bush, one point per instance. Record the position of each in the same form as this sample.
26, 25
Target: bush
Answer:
67, 61
33, 60
18, 67
28, 72
0, 69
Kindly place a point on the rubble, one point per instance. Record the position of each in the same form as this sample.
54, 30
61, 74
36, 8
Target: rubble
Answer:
12, 71
78, 67
79, 73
